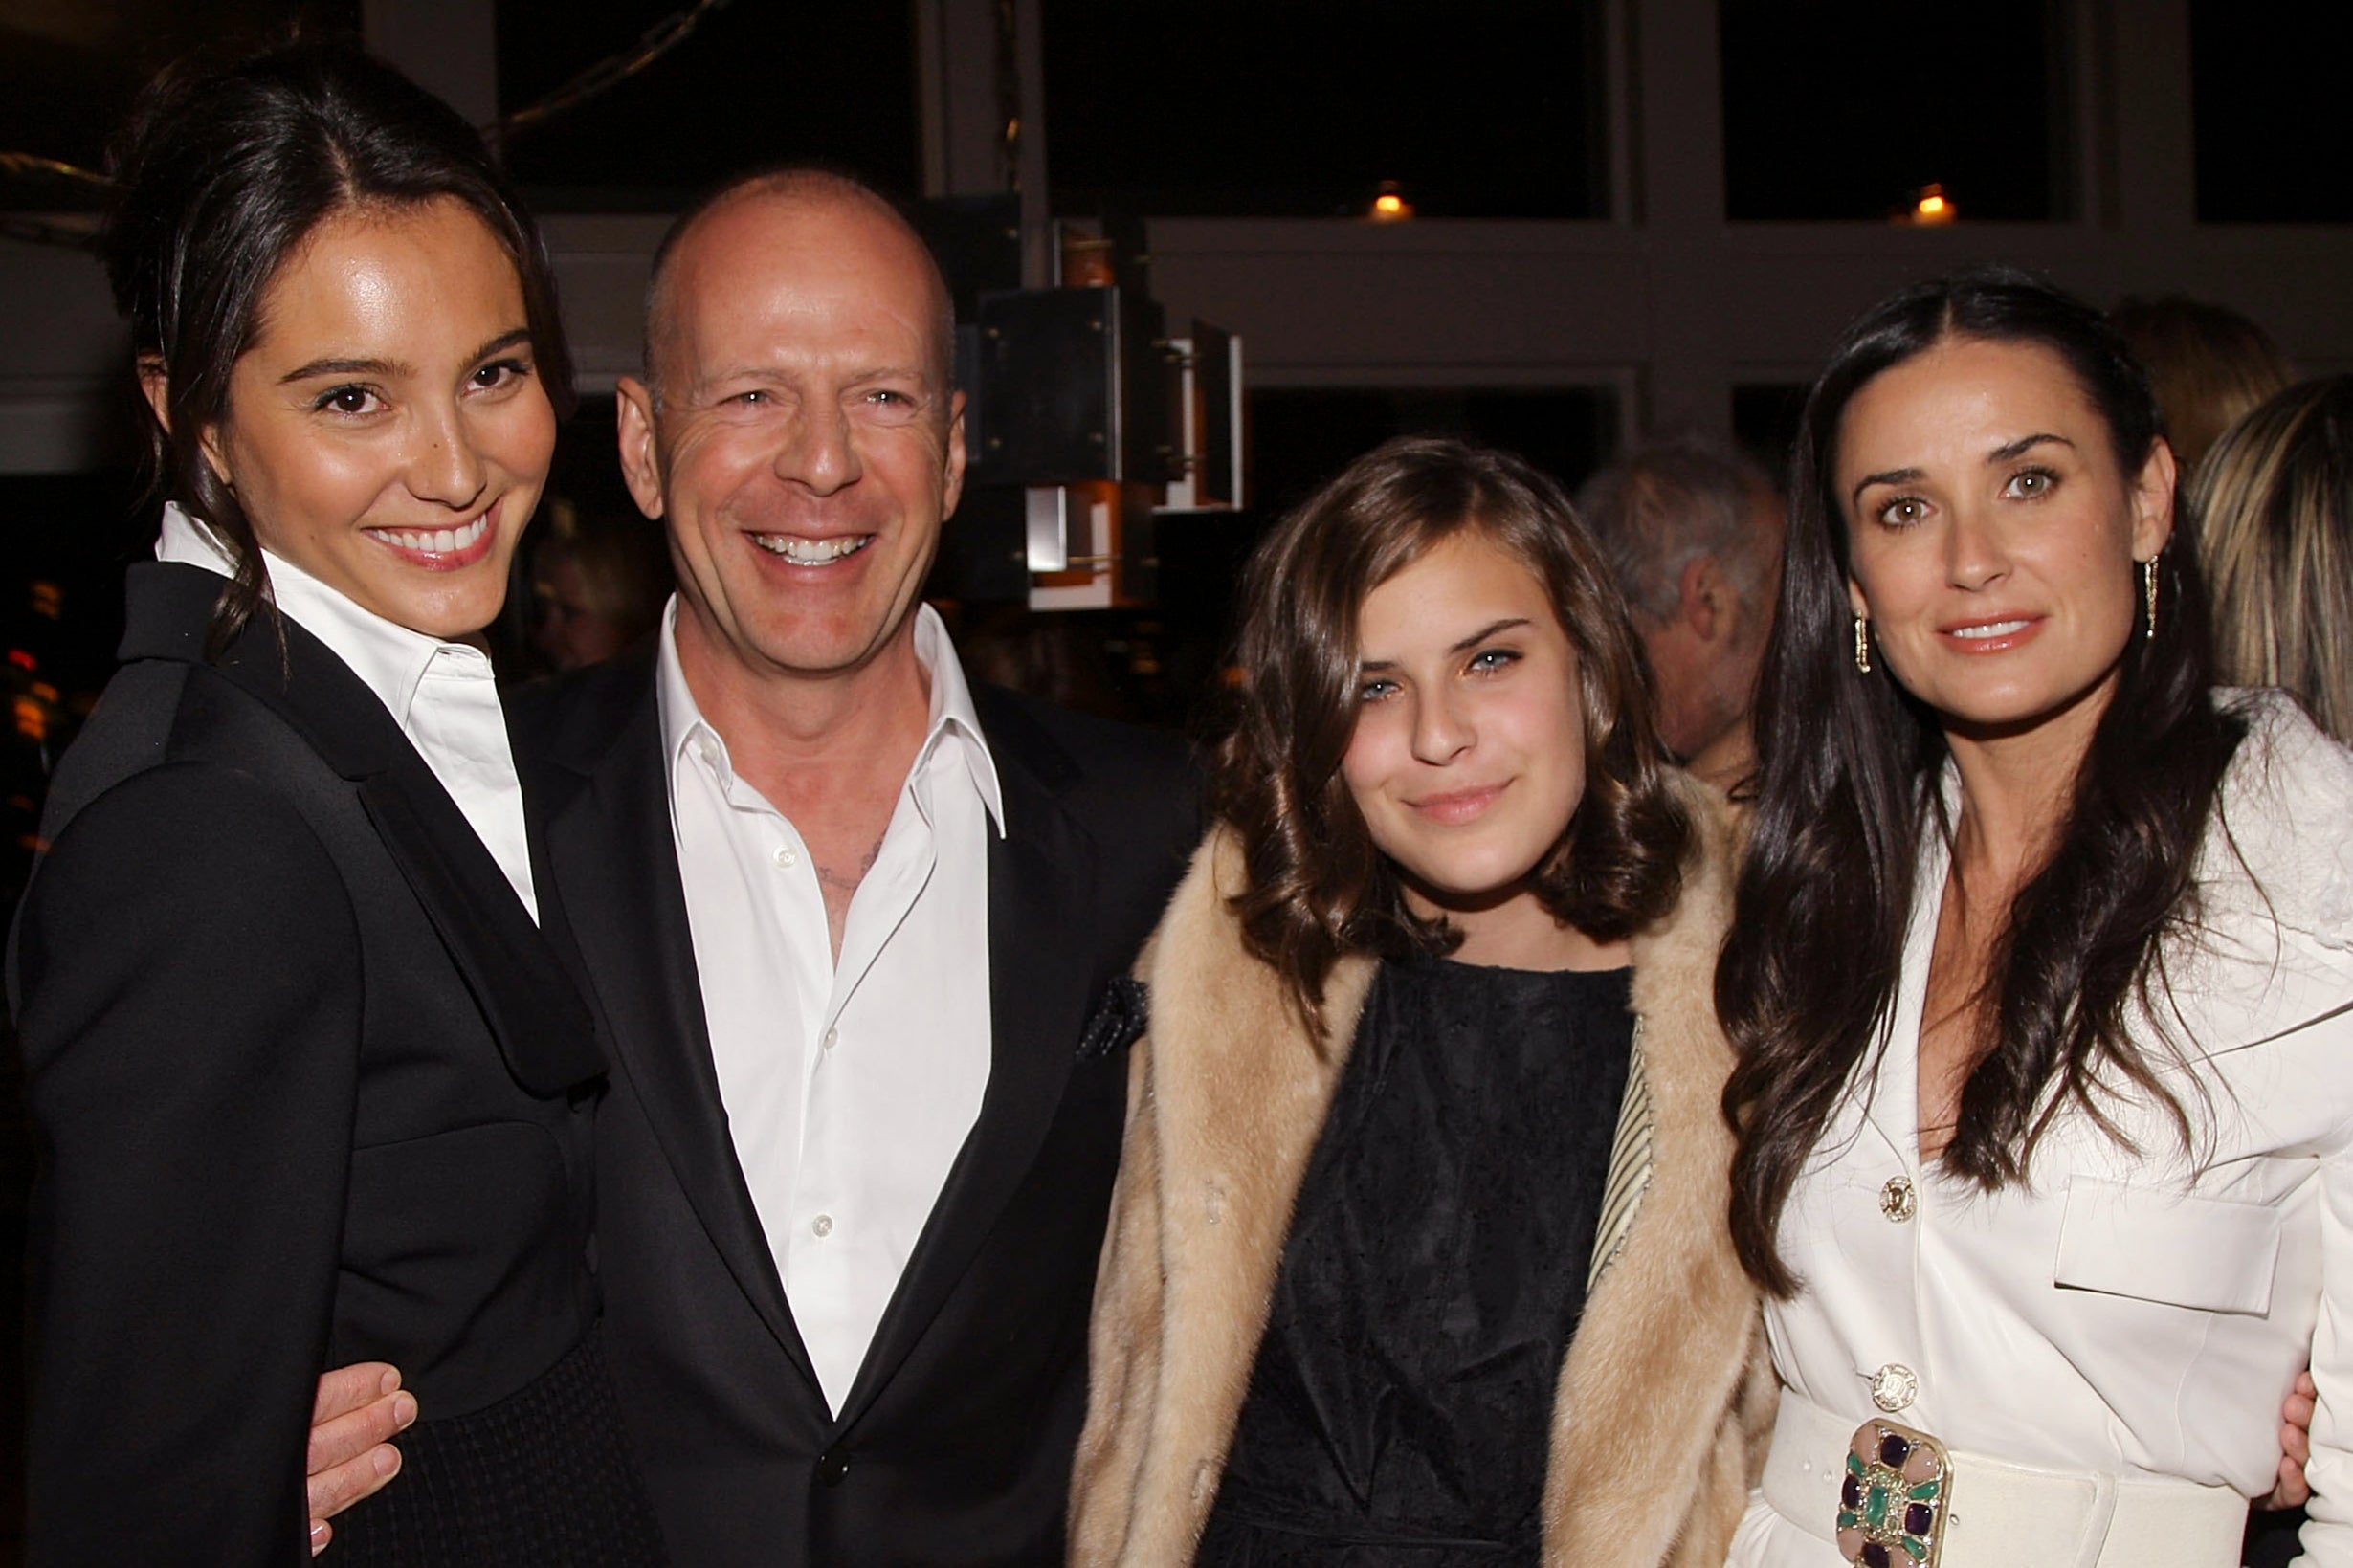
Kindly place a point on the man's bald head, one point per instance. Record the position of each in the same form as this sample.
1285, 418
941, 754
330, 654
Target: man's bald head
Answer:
814, 190
804, 444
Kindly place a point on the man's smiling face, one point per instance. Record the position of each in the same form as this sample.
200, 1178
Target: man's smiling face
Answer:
801, 438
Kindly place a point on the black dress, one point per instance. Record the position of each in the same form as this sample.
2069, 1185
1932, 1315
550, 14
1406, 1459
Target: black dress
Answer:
1400, 1405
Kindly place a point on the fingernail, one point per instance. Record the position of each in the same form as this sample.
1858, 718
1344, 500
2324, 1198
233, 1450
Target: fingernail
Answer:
318, 1537
389, 1382
387, 1460
404, 1410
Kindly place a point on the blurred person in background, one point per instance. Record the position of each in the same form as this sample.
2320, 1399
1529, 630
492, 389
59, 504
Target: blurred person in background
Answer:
598, 583
1693, 534
2275, 509
1047, 654
2206, 363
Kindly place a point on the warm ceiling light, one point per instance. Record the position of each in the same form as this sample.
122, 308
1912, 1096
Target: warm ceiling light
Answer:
1933, 206
1390, 204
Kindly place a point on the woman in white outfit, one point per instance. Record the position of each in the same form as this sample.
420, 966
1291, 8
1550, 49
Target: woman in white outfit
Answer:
2039, 983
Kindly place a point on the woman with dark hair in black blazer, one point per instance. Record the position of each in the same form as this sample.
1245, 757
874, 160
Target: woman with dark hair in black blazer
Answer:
309, 1085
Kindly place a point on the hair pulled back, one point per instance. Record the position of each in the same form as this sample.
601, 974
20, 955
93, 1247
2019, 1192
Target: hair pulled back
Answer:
2274, 507
221, 174
1848, 775
1316, 886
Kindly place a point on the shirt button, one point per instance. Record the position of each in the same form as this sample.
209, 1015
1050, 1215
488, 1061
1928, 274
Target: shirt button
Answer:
822, 1225
786, 859
1897, 1201
1894, 1388
832, 1038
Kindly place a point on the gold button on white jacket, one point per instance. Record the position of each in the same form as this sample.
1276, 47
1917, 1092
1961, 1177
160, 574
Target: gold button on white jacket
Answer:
2125, 1314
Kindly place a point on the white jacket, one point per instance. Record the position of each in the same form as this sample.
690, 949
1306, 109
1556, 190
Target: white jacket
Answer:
2132, 1314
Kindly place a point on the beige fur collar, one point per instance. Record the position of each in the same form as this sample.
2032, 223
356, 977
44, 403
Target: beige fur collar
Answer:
1228, 1098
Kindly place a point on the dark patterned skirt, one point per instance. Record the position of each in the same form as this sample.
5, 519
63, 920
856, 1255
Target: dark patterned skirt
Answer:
542, 1479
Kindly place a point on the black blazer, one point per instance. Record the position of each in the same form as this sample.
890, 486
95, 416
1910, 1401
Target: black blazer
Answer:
302, 1077
954, 1446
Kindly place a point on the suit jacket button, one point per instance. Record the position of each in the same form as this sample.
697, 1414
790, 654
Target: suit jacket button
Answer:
832, 1465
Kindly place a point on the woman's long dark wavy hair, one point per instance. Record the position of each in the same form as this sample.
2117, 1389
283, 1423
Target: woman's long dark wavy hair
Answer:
1848, 770
1318, 887
220, 174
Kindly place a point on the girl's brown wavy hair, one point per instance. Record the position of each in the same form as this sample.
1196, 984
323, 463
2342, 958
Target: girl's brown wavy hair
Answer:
1316, 887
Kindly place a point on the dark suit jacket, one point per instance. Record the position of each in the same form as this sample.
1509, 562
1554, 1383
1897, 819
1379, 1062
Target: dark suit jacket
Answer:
300, 1068
955, 1444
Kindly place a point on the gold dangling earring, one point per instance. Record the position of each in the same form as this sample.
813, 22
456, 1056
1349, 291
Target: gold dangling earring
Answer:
1862, 644
2148, 593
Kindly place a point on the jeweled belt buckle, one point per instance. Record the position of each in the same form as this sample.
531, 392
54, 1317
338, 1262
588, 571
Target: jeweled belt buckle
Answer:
1893, 1500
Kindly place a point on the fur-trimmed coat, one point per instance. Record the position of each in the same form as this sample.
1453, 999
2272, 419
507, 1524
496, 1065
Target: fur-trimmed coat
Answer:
1659, 1405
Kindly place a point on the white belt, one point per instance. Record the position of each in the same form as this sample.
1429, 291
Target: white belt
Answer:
2001, 1515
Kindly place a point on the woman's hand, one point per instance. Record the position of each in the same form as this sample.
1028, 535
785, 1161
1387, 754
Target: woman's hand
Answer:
358, 1410
2294, 1446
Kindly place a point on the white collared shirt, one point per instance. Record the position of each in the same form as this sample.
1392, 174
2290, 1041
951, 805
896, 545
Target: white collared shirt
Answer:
2131, 1308
850, 1085
444, 696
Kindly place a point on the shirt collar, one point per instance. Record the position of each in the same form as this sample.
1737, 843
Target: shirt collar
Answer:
390, 660
954, 722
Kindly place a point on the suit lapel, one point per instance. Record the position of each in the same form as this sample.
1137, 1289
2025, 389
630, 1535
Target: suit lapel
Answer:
543, 1028
1040, 987
616, 864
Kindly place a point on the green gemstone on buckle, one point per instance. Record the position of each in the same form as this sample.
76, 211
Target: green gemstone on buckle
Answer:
1926, 1491
1916, 1548
1874, 1507
1855, 1466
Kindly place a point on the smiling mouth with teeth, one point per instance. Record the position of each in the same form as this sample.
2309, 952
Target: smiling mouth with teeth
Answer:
813, 552
436, 541
1988, 628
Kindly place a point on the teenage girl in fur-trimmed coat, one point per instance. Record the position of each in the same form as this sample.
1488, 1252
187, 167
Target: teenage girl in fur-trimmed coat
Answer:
1418, 1257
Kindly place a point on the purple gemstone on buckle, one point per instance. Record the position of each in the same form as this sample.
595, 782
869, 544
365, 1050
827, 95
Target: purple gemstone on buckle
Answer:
1874, 1555
1893, 1451
1851, 1492
1918, 1518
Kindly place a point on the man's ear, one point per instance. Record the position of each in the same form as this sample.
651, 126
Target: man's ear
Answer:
953, 491
641, 466
1702, 600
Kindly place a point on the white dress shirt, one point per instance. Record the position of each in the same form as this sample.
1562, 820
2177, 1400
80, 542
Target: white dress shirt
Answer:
850, 1085
2120, 1313
444, 696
